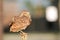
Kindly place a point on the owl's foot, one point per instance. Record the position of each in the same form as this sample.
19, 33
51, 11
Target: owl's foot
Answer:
23, 35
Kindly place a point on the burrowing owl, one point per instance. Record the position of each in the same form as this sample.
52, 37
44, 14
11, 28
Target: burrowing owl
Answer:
21, 22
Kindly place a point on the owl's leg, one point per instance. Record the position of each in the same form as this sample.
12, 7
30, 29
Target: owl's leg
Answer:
23, 35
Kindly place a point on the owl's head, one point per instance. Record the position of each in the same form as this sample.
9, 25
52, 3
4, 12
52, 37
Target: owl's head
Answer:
25, 13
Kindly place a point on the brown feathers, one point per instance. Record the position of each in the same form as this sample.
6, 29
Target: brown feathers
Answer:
21, 22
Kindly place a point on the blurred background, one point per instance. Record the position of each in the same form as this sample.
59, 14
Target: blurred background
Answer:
45, 18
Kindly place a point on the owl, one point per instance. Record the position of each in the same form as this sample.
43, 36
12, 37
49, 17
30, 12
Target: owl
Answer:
21, 22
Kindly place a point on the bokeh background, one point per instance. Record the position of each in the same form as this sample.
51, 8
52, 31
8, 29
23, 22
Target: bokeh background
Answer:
41, 28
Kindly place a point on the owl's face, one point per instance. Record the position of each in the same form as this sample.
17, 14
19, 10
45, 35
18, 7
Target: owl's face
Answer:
25, 13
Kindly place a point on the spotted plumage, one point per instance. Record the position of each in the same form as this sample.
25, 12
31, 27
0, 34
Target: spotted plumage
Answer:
21, 22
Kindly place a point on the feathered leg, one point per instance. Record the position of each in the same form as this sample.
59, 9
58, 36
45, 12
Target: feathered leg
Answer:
23, 35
